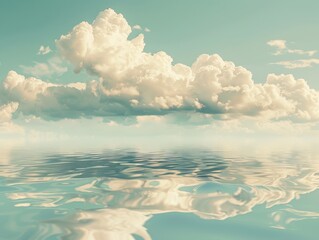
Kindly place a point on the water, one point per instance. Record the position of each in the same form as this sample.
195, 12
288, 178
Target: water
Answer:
226, 190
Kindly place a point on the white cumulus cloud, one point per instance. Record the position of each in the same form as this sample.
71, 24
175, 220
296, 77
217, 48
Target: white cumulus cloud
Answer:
6, 112
151, 82
132, 82
6, 116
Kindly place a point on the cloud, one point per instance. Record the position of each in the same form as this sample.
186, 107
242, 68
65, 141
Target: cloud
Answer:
281, 47
300, 99
6, 111
280, 97
280, 44
137, 27
300, 63
132, 82
53, 66
151, 84
7, 127
44, 99
44, 50
302, 52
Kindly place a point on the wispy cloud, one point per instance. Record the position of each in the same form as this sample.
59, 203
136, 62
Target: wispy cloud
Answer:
302, 52
44, 50
279, 44
51, 67
138, 27
300, 63
281, 48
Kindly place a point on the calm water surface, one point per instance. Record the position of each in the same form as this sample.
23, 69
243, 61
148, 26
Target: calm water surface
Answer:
223, 191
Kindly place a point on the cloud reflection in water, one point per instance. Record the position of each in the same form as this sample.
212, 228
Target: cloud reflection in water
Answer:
111, 194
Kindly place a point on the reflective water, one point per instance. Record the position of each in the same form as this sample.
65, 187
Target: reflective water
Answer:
219, 191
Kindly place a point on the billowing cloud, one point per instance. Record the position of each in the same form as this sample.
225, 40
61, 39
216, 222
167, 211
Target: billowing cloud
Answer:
39, 98
6, 115
132, 82
150, 83
6, 111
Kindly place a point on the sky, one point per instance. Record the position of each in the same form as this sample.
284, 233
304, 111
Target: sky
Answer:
230, 65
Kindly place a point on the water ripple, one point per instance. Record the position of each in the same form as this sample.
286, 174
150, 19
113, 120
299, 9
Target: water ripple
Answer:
74, 196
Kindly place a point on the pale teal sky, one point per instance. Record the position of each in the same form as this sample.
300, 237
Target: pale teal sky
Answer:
236, 30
